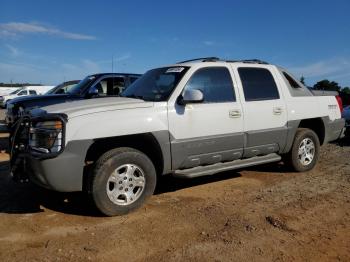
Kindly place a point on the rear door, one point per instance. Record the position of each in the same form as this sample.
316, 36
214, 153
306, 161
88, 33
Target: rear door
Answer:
210, 131
264, 109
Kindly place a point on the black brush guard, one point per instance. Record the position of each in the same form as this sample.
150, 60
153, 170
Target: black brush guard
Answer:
19, 138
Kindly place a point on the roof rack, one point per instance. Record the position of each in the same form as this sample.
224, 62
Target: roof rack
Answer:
249, 61
215, 59
202, 59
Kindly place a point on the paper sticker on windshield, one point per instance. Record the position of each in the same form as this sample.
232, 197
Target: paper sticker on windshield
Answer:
175, 70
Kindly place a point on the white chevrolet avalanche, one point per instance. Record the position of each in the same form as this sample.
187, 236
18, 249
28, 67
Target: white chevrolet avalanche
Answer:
190, 119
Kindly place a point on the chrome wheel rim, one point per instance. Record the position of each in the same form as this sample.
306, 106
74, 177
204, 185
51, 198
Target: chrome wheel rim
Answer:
126, 184
306, 152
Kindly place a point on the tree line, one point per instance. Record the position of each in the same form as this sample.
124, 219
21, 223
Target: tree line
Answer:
325, 84
17, 84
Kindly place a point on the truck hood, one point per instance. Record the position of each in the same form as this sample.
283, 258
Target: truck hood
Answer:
38, 99
96, 105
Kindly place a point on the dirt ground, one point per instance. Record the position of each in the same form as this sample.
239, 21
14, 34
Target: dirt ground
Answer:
265, 213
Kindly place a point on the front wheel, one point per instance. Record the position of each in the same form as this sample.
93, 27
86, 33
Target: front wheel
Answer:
122, 180
305, 150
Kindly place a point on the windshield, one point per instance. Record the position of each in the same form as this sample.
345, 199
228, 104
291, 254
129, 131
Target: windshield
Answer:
78, 88
62, 88
52, 90
156, 84
15, 92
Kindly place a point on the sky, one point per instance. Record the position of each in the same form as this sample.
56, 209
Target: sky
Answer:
49, 42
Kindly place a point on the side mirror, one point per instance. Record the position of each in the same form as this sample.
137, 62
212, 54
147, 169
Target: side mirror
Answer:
92, 92
191, 96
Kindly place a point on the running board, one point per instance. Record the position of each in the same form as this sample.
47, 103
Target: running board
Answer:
221, 167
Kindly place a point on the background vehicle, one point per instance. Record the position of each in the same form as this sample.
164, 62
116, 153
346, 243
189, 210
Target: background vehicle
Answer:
346, 116
191, 119
7, 90
63, 87
98, 85
25, 91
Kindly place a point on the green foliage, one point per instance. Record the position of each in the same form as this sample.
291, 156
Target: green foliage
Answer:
346, 90
302, 80
327, 85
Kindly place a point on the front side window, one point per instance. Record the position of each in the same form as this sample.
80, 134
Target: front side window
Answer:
258, 84
215, 84
110, 86
156, 84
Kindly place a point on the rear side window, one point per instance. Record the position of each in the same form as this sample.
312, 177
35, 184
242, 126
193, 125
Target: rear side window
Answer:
214, 82
258, 84
32, 92
291, 81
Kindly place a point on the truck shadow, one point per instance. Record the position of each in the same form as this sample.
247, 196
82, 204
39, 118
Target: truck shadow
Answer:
28, 198
169, 183
343, 142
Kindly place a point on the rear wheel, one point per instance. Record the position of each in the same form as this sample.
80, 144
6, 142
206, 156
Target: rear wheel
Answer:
305, 150
122, 180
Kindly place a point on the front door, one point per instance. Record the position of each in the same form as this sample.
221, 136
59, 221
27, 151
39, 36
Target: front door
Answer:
210, 131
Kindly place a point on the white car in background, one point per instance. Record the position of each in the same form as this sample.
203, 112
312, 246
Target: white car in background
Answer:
25, 91
7, 90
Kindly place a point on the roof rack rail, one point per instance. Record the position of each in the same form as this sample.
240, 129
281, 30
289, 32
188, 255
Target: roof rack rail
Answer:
249, 61
202, 59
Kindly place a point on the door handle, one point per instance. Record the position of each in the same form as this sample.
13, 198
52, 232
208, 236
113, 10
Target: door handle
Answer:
277, 110
235, 113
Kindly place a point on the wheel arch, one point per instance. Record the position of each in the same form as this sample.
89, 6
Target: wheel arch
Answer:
154, 145
317, 125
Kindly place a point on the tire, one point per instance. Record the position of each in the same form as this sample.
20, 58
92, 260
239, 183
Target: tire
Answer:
122, 180
305, 150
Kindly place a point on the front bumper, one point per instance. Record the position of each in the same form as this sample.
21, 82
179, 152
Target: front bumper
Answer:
60, 171
63, 173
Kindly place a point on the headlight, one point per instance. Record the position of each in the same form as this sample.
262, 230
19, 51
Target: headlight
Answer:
46, 137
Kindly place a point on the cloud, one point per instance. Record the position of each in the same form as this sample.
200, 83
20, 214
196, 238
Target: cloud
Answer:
13, 50
14, 29
337, 69
208, 43
20, 72
80, 69
123, 57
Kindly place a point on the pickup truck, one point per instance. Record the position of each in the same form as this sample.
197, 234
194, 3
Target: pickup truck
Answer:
97, 85
190, 119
